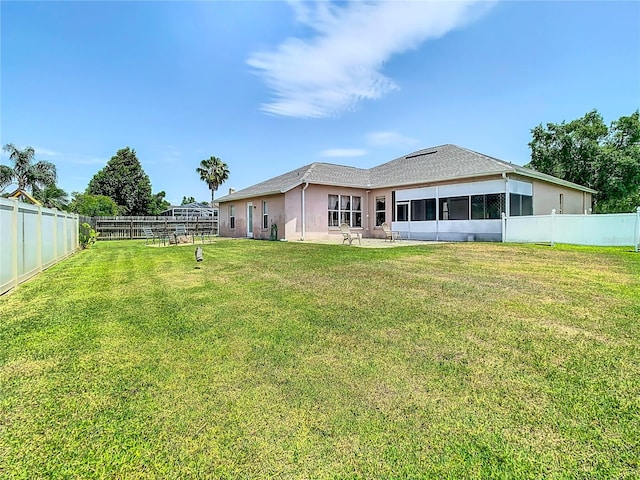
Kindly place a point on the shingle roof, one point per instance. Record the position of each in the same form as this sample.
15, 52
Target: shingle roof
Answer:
279, 184
435, 164
444, 162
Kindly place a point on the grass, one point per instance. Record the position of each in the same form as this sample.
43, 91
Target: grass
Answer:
283, 360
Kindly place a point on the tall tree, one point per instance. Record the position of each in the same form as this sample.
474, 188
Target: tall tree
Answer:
186, 200
124, 180
26, 173
158, 203
52, 197
93, 205
586, 152
619, 170
214, 172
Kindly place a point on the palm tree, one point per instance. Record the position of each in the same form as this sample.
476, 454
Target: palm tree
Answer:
214, 172
52, 197
25, 173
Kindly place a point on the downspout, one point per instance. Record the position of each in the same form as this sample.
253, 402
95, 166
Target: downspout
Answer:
306, 185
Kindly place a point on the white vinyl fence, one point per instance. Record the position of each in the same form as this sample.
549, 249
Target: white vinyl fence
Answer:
32, 238
616, 229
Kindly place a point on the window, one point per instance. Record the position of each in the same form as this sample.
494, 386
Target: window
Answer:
520, 205
334, 211
381, 211
402, 212
265, 215
232, 216
454, 208
344, 209
487, 206
423, 210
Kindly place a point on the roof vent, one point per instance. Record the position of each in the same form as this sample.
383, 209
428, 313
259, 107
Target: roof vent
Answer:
421, 154
232, 190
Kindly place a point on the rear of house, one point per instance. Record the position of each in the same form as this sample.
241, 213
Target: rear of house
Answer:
441, 193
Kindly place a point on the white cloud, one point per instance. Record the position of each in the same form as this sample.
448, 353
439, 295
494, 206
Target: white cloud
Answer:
343, 152
339, 65
46, 152
389, 138
39, 151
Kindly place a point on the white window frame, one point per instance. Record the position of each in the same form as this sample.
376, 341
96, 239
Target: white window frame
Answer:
232, 217
265, 215
345, 212
383, 211
406, 205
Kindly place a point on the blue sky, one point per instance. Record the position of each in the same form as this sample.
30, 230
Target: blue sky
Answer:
271, 86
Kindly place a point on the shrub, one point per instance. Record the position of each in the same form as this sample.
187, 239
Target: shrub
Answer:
88, 235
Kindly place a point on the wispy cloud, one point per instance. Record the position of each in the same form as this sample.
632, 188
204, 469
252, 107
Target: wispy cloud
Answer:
46, 152
39, 151
389, 138
340, 64
343, 152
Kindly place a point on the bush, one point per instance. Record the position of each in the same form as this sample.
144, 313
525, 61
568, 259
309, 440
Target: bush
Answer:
88, 235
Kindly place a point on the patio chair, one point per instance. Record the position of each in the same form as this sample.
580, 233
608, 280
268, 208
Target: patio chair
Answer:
148, 235
389, 234
347, 234
204, 233
181, 231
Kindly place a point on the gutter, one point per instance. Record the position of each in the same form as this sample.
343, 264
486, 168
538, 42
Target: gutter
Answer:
306, 185
551, 179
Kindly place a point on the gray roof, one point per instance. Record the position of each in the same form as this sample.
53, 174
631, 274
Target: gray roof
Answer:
189, 205
441, 163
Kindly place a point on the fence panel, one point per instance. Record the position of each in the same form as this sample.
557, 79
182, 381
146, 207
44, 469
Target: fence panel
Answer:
613, 230
129, 228
529, 229
32, 238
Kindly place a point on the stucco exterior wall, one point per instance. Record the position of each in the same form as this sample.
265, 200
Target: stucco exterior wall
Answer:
285, 210
371, 230
316, 211
546, 197
275, 209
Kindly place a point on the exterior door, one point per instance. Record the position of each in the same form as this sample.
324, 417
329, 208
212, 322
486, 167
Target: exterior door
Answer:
250, 220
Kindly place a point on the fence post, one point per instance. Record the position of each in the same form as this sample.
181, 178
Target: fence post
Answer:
14, 236
553, 227
55, 236
39, 237
65, 232
637, 235
504, 226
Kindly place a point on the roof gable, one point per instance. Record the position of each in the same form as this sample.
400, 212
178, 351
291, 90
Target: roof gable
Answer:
280, 184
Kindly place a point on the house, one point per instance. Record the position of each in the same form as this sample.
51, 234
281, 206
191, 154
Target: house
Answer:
439, 193
23, 196
194, 209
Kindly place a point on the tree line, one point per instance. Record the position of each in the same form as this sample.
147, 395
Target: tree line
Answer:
587, 152
584, 151
120, 188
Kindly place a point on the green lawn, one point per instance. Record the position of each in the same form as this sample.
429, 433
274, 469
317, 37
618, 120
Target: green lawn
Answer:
286, 360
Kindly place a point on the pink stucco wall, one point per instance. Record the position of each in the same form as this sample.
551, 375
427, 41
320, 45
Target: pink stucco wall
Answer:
288, 206
316, 212
275, 209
